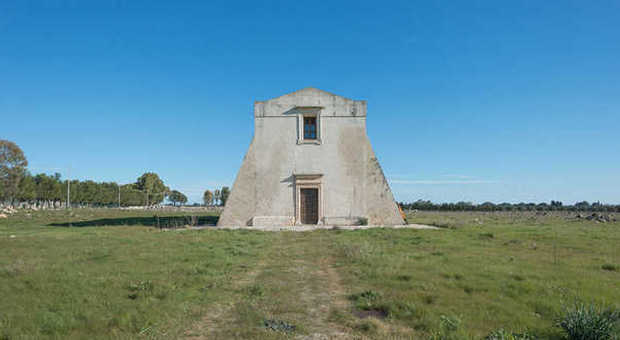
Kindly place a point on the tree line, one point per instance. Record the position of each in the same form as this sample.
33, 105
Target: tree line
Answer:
51, 191
489, 206
217, 197
19, 187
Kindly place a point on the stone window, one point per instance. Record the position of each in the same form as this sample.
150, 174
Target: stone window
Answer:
310, 127
309, 124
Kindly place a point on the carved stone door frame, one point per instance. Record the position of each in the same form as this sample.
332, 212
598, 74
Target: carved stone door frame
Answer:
308, 181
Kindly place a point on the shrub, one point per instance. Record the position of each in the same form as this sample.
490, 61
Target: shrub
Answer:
255, 291
404, 277
406, 309
429, 299
365, 299
279, 325
610, 267
589, 322
137, 287
369, 294
485, 236
144, 286
448, 327
449, 323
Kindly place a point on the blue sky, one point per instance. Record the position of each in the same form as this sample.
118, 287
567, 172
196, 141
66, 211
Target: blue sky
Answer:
468, 100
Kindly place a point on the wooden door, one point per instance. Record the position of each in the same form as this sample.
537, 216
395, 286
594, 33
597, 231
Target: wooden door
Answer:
309, 207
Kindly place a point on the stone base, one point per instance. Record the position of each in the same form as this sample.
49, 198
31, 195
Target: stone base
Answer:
344, 220
321, 227
270, 221
277, 221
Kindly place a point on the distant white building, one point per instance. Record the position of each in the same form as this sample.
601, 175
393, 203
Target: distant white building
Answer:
310, 162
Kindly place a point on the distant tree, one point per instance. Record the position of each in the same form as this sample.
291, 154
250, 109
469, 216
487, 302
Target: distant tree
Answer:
487, 206
13, 165
207, 197
555, 205
49, 190
152, 188
177, 197
27, 189
584, 205
597, 206
522, 206
505, 206
216, 196
464, 206
89, 192
131, 195
224, 195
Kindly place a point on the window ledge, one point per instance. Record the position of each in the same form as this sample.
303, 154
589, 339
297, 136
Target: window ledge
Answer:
309, 141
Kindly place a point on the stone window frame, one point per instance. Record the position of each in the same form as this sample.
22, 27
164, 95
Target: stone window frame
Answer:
308, 181
308, 111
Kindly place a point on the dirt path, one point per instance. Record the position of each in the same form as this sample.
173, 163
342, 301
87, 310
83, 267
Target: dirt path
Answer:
328, 297
220, 313
296, 284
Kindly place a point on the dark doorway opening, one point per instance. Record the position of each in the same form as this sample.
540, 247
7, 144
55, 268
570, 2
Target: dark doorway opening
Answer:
309, 207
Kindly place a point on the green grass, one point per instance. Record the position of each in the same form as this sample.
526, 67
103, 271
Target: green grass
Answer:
498, 274
105, 282
481, 273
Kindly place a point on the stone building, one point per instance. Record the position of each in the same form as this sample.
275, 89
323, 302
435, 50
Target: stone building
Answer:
310, 162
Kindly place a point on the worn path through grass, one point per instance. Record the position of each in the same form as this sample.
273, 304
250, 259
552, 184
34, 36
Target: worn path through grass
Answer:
294, 284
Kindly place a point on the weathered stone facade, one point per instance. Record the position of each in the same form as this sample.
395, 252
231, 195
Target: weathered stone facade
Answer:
288, 164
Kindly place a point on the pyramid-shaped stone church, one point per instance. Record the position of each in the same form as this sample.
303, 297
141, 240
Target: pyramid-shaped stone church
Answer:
310, 162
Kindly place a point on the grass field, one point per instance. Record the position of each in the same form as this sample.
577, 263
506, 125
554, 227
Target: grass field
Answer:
102, 279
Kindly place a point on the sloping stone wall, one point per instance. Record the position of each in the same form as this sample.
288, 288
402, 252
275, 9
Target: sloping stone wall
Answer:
353, 187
